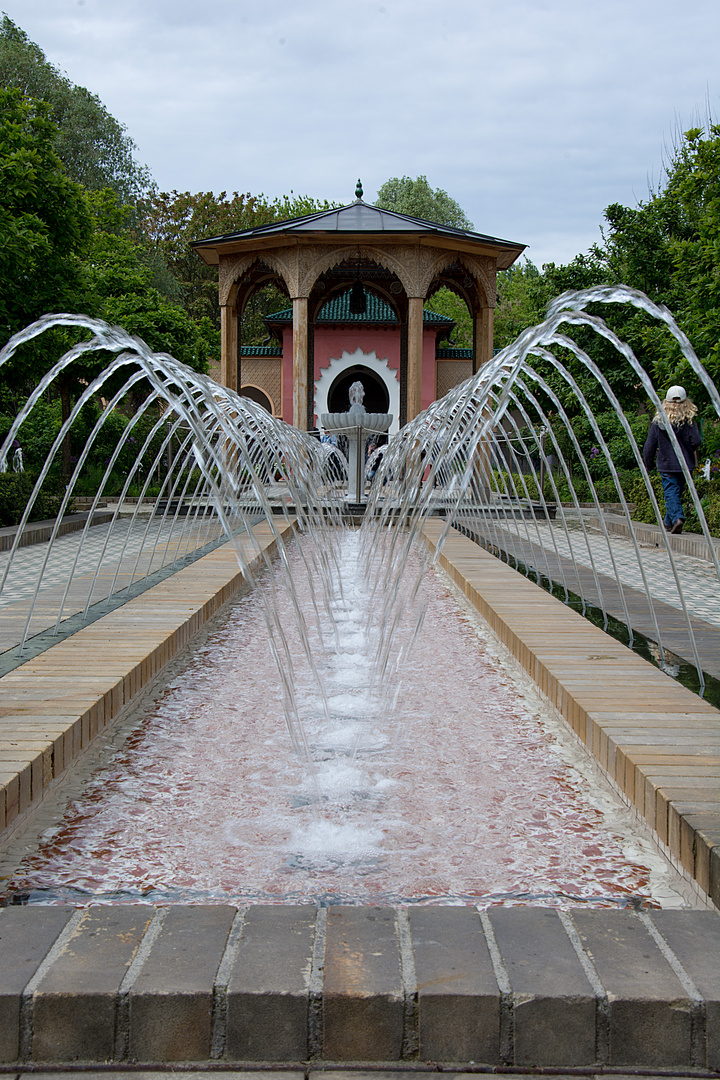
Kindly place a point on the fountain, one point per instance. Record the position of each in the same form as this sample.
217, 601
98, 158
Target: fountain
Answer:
491, 449
345, 613
356, 424
490, 446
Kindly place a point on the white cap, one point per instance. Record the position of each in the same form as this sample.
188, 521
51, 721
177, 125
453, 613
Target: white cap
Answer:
675, 393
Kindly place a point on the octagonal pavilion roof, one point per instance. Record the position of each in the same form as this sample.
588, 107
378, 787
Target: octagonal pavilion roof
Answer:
359, 220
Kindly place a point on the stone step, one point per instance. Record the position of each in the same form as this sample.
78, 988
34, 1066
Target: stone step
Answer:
504, 988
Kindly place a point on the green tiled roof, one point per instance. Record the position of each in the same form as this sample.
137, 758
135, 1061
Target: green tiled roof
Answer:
454, 354
337, 310
261, 350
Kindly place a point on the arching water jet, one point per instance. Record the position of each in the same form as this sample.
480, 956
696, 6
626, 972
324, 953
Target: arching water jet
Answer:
234, 463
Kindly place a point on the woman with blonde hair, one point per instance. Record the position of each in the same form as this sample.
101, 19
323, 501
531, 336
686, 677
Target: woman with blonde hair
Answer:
681, 413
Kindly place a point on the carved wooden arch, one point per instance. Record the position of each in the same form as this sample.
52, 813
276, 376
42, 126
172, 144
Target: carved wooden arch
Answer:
233, 270
481, 270
318, 300
439, 263
315, 261
469, 296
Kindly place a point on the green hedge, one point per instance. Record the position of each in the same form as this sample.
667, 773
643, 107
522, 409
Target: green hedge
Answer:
635, 491
15, 490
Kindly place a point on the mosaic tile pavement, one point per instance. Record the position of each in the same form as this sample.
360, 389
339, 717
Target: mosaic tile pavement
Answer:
698, 577
125, 551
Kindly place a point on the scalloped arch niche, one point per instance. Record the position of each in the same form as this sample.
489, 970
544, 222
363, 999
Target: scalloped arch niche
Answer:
379, 367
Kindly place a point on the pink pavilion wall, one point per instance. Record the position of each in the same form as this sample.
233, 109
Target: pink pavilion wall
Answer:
332, 341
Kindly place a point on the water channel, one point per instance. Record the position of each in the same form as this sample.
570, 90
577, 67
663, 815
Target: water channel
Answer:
451, 782
335, 738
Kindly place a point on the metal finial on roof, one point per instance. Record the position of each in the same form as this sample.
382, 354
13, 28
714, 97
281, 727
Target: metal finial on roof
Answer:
358, 190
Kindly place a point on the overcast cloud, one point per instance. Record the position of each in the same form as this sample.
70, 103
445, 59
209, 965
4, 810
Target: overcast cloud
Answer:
533, 114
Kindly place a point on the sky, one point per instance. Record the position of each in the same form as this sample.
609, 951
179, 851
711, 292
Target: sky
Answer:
533, 114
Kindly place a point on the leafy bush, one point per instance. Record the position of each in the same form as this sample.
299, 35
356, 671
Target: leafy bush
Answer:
709, 496
16, 489
516, 484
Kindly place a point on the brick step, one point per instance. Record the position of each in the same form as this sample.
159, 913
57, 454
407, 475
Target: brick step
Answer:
513, 987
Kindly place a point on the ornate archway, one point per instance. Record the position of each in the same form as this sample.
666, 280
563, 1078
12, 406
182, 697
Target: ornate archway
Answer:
401, 258
382, 387
254, 393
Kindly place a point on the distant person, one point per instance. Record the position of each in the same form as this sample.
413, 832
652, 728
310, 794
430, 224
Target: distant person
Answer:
374, 460
681, 413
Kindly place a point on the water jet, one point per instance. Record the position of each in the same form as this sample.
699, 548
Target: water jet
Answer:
229, 458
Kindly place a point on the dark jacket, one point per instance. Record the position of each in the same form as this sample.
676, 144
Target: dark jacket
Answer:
658, 444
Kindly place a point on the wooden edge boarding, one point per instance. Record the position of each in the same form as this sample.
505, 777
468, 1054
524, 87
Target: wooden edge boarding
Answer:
53, 706
658, 742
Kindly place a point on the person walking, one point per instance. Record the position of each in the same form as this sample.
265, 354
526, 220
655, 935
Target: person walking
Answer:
681, 413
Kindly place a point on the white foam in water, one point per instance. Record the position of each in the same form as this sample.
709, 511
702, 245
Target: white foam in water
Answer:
340, 778
350, 705
348, 842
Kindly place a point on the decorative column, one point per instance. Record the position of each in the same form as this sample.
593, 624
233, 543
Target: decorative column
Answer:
229, 346
483, 351
483, 337
300, 361
414, 363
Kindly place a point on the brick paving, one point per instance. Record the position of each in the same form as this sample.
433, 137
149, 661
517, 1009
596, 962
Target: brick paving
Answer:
109, 559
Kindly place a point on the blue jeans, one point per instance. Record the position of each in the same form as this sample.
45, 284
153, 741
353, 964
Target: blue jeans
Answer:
673, 484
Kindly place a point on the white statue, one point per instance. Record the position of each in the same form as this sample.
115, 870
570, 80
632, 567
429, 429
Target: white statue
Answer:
357, 393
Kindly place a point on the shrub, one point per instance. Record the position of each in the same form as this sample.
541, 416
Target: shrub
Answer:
15, 491
708, 493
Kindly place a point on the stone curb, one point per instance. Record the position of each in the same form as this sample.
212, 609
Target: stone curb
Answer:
56, 703
658, 743
510, 987
38, 532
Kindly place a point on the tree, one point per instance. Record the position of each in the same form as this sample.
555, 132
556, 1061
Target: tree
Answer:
45, 222
417, 199
172, 220
121, 286
688, 210
95, 149
669, 248
44, 233
448, 303
522, 296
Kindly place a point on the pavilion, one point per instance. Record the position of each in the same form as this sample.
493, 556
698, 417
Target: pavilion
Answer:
358, 277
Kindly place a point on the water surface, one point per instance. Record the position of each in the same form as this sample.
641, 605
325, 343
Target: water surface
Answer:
448, 783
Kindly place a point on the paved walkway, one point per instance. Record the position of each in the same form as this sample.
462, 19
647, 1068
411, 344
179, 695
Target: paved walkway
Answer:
589, 565
126, 552
581, 561
352, 1073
